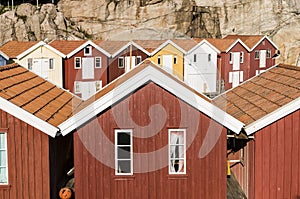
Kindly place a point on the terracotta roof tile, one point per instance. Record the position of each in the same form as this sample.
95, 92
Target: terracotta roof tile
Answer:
150, 45
262, 94
35, 95
13, 48
221, 44
111, 46
66, 46
185, 44
249, 40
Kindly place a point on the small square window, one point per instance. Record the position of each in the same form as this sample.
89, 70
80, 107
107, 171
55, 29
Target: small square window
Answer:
256, 55
77, 62
175, 59
29, 63
138, 59
88, 50
268, 53
121, 62
77, 87
51, 64
158, 60
98, 62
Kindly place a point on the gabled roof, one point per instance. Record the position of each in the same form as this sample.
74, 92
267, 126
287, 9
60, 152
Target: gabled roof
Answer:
87, 43
165, 44
112, 47
149, 45
66, 46
224, 45
37, 45
185, 44
263, 99
251, 40
129, 82
200, 42
14, 48
33, 100
4, 55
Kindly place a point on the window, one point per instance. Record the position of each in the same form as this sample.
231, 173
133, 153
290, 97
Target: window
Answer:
268, 53
77, 62
138, 59
209, 57
121, 62
88, 50
51, 64
77, 87
98, 62
242, 57
123, 152
230, 58
195, 57
256, 55
158, 60
177, 156
175, 59
3, 159
29, 63
98, 85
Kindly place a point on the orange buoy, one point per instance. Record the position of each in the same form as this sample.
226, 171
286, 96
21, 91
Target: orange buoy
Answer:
65, 193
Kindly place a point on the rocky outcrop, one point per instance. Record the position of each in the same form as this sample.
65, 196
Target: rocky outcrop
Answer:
145, 19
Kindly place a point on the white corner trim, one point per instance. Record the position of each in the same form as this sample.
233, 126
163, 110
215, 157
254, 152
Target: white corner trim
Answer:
140, 48
238, 41
121, 49
89, 42
201, 43
150, 74
4, 55
35, 46
265, 37
273, 116
28, 117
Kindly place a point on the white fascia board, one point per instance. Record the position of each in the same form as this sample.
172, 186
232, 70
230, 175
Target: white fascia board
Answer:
89, 42
55, 50
238, 41
140, 48
201, 43
265, 37
4, 55
121, 49
27, 117
29, 50
156, 76
273, 116
165, 44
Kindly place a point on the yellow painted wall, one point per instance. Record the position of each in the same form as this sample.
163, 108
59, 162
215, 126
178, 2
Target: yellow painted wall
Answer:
171, 50
55, 75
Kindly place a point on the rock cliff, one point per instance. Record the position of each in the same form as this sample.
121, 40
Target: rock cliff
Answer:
142, 19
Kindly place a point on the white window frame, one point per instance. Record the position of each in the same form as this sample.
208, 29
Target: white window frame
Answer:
123, 63
242, 57
230, 57
6, 165
75, 58
184, 148
51, 64
269, 52
256, 54
175, 61
138, 59
90, 51
77, 88
116, 151
100, 62
158, 60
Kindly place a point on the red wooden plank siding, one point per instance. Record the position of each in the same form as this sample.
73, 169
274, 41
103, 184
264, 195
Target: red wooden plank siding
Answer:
206, 177
295, 160
28, 160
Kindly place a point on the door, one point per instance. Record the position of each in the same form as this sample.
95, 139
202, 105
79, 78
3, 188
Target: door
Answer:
234, 78
87, 89
262, 58
236, 61
127, 63
40, 67
167, 63
88, 68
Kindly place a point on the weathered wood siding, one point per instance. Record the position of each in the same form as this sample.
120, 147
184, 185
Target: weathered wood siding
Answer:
276, 161
28, 160
205, 177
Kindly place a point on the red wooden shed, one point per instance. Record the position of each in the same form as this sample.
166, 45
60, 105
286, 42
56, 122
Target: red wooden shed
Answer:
32, 163
269, 106
148, 135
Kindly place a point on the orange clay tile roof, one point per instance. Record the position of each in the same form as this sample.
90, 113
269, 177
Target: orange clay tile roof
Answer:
149, 45
249, 40
13, 48
221, 44
66, 46
35, 95
185, 44
262, 94
111, 46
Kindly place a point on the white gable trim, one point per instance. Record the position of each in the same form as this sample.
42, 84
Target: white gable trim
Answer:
200, 43
27, 117
273, 116
237, 41
89, 42
165, 44
4, 55
163, 80
127, 45
265, 37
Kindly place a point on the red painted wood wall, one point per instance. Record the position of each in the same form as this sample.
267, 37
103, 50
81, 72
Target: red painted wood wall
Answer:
71, 74
205, 178
28, 160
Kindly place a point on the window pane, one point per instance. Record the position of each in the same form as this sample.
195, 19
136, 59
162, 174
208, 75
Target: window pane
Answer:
2, 141
124, 152
3, 175
124, 166
177, 166
123, 138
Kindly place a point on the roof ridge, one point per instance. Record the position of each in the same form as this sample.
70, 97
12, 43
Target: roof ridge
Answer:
9, 66
287, 66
